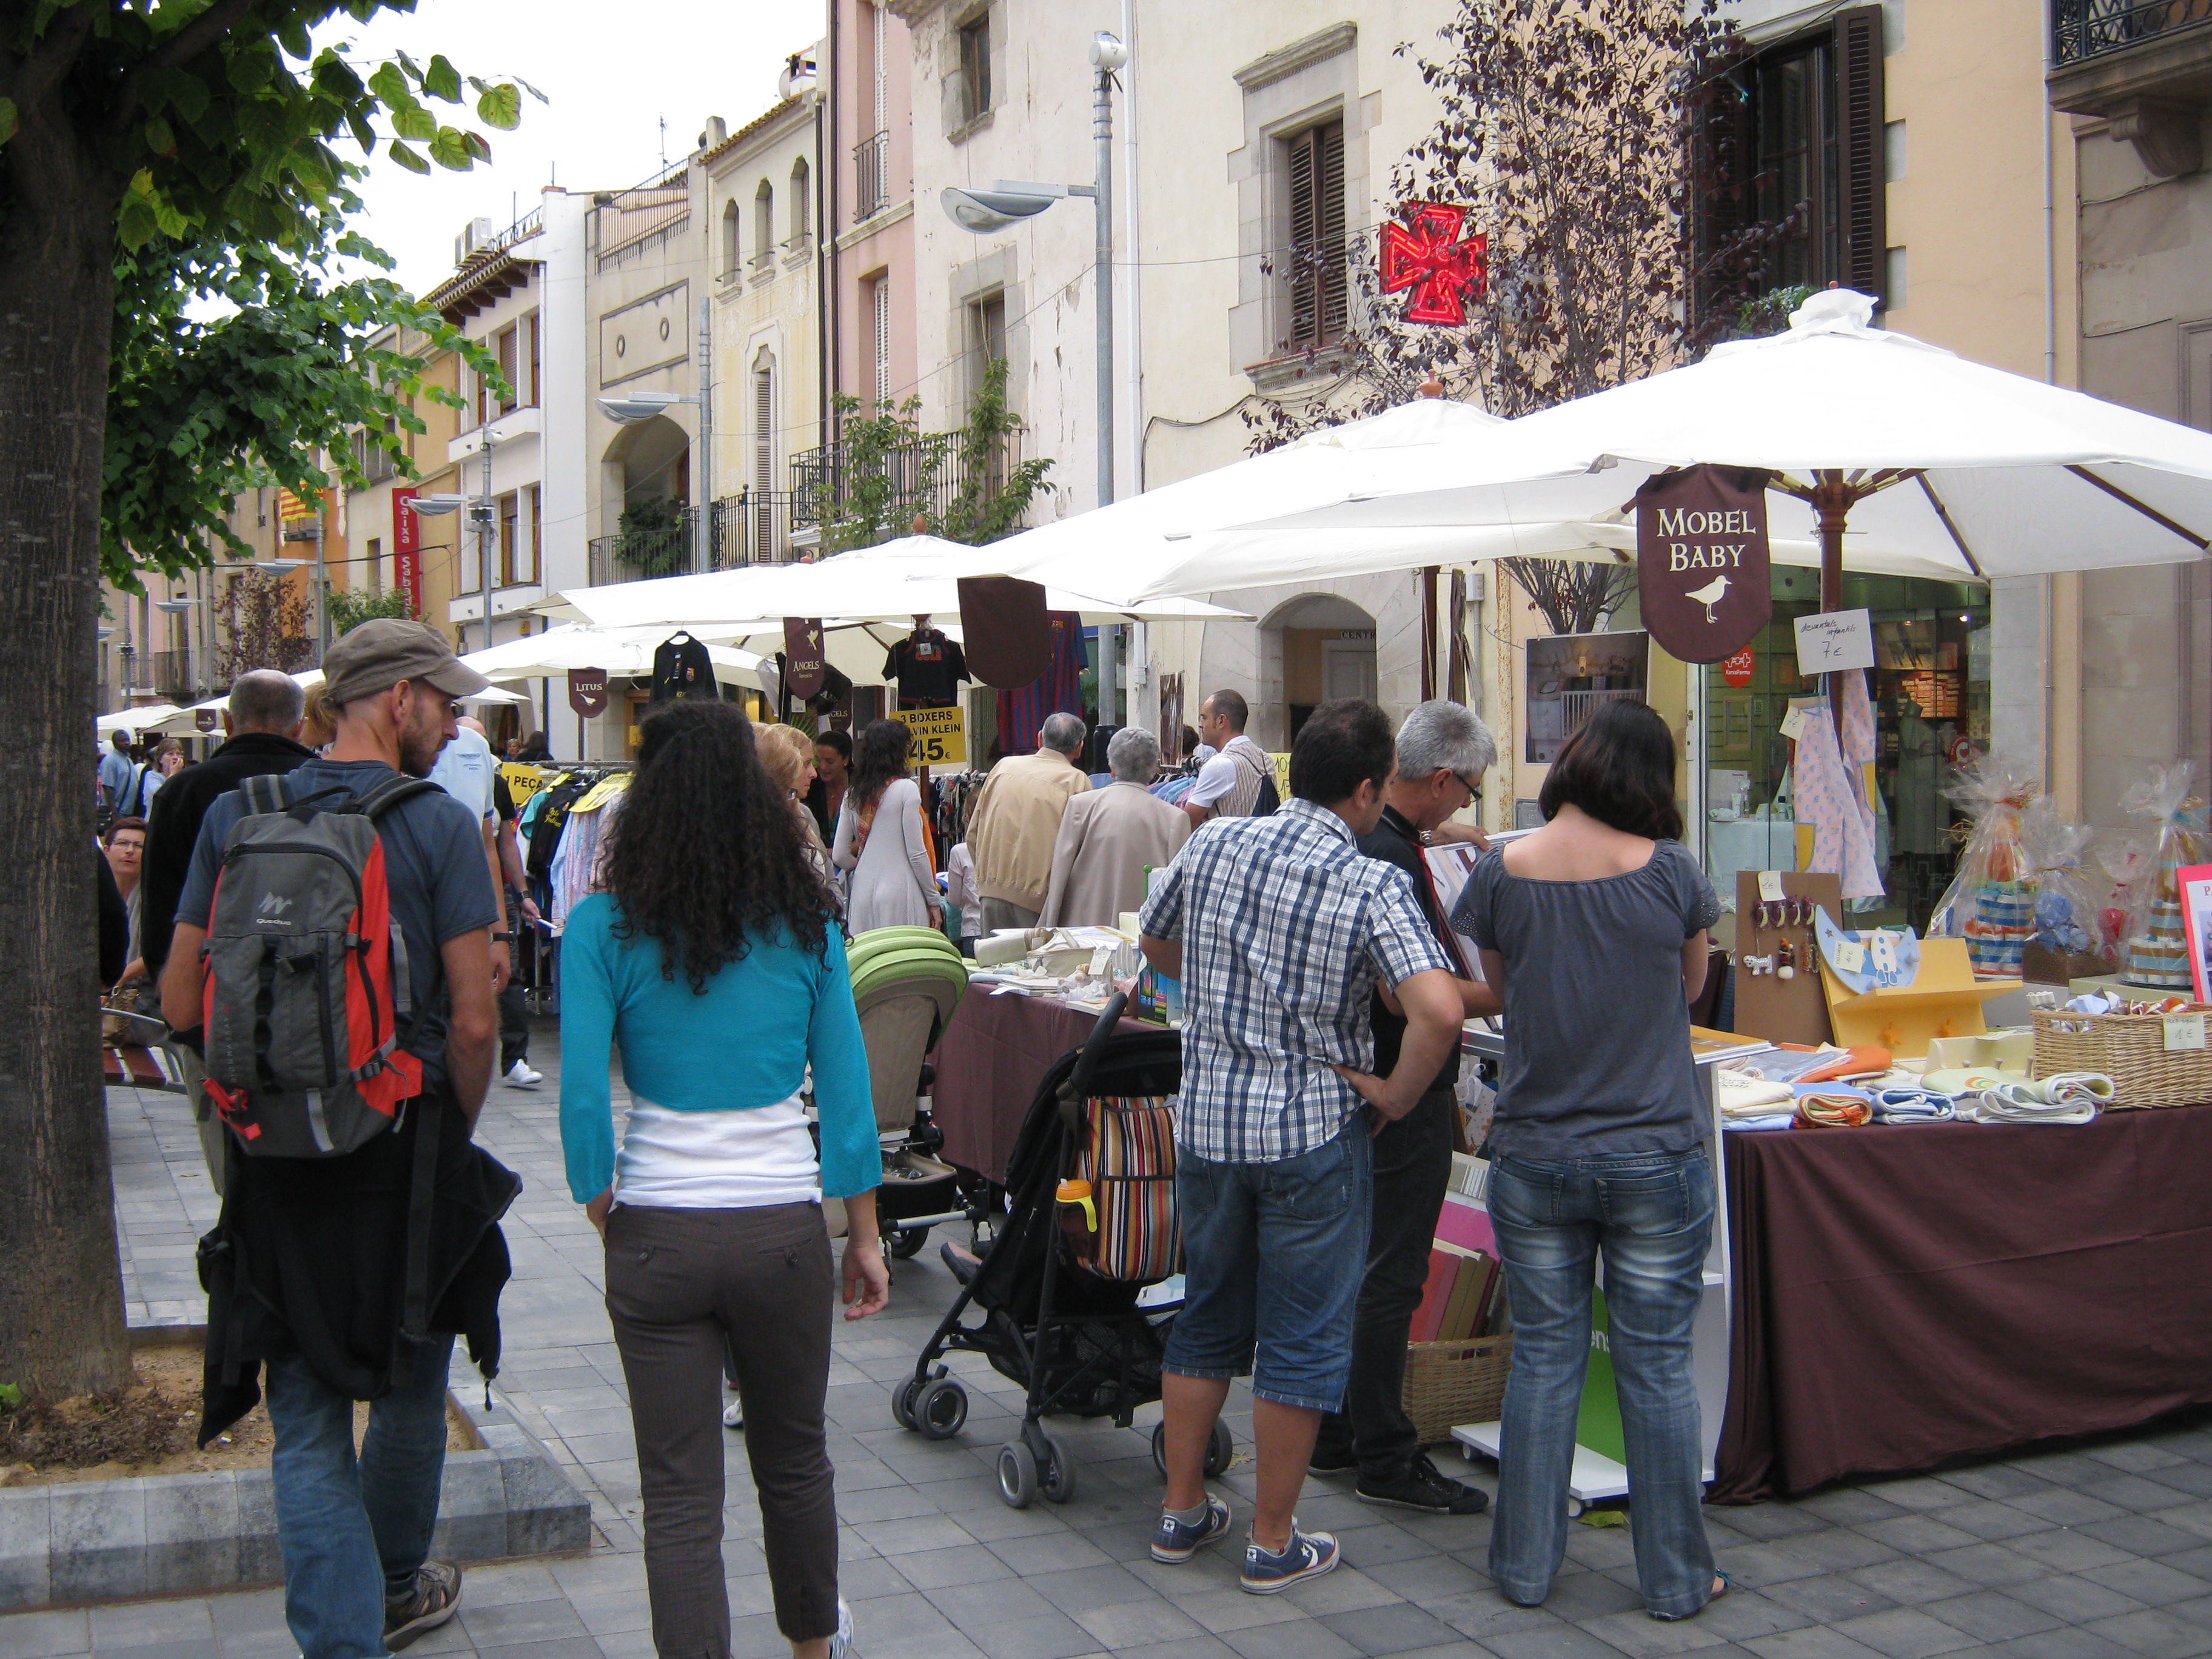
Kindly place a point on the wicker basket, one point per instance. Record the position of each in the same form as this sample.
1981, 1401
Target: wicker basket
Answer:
2129, 1049
1449, 1384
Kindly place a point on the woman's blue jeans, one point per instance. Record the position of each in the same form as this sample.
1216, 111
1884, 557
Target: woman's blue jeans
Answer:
1652, 1216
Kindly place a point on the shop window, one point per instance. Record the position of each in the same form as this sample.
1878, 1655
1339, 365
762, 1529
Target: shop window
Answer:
1793, 165
1314, 168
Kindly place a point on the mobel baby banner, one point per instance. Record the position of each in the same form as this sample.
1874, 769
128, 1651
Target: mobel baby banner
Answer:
1701, 561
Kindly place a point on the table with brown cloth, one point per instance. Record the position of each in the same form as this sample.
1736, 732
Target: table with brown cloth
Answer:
1907, 1295
994, 1053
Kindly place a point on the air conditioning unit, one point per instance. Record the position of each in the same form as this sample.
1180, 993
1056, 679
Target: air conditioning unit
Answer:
477, 234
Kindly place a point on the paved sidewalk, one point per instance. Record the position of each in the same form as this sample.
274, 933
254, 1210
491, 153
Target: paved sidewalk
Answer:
2102, 1553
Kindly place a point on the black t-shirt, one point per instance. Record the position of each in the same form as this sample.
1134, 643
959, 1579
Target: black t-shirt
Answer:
928, 669
1394, 840
682, 668
503, 797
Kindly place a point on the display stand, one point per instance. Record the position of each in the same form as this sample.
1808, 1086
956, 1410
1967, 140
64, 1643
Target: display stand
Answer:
1595, 1475
1944, 1000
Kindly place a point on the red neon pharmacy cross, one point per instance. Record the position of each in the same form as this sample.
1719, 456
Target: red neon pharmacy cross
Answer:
1428, 257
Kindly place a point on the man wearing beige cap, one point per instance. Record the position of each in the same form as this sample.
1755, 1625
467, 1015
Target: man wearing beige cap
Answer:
315, 1260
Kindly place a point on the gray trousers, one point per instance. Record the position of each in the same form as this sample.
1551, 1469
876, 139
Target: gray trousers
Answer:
683, 1284
1004, 913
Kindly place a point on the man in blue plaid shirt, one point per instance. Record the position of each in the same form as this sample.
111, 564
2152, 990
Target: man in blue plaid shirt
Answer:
1280, 931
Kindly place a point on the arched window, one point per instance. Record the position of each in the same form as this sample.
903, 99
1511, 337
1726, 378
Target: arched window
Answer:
799, 202
731, 249
764, 222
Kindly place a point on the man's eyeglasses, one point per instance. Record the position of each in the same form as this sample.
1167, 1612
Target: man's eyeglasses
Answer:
1474, 790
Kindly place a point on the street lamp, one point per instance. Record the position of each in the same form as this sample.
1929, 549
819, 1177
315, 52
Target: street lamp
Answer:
641, 406
1008, 202
436, 506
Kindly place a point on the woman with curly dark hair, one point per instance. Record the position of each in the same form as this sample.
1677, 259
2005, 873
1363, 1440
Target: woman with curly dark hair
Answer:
712, 921
880, 837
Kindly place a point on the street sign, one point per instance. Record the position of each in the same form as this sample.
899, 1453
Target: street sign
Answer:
407, 548
940, 735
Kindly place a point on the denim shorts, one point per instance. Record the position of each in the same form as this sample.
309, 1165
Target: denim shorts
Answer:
1305, 1220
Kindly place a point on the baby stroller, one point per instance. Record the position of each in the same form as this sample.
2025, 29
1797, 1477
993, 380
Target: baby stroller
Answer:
1061, 1290
906, 984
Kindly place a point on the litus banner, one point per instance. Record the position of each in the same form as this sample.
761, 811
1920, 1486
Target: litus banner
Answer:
1701, 561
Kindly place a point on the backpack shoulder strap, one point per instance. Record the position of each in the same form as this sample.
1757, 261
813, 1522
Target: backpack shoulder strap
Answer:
390, 793
265, 793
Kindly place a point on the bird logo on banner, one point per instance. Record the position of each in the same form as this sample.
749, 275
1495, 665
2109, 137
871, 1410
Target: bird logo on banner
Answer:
1710, 594
1427, 255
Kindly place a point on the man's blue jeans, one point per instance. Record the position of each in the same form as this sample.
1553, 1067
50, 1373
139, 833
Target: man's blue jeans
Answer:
354, 1530
1652, 1215
1273, 1256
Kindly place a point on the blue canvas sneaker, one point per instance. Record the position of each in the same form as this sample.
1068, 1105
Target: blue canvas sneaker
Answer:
1309, 1555
1177, 1541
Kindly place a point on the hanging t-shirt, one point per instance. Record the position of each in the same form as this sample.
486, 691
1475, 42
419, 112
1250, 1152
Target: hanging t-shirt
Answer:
928, 669
1058, 691
682, 668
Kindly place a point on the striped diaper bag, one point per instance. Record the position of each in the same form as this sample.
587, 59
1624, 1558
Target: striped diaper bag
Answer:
1129, 1159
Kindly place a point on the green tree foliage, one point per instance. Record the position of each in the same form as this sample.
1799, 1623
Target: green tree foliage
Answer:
348, 609
887, 471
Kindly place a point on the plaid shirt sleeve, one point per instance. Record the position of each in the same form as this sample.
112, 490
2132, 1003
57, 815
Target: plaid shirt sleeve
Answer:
1162, 914
1400, 942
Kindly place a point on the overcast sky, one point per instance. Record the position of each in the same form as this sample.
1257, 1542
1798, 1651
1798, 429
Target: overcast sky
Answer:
613, 73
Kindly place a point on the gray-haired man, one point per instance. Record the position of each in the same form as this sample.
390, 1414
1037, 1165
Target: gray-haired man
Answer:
1443, 749
1015, 822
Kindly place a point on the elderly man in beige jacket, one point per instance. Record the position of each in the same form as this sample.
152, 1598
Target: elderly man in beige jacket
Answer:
1109, 837
1016, 820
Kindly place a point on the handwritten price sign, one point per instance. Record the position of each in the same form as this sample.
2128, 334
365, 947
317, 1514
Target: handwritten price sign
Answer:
940, 735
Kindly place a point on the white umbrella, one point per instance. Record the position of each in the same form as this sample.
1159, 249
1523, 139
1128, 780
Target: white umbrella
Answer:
1179, 538
1930, 455
145, 719
622, 652
914, 575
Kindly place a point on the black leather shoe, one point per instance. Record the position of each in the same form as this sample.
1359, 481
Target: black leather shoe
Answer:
1422, 1487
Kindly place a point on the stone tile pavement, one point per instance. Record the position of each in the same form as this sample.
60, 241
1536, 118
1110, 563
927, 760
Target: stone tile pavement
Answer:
2096, 1552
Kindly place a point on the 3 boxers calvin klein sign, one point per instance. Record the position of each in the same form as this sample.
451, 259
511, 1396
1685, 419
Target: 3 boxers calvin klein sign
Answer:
1701, 560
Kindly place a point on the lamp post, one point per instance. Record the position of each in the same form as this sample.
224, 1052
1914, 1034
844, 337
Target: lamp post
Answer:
642, 406
480, 515
1009, 201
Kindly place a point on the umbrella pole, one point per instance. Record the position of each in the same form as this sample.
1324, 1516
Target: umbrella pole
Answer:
1428, 575
1833, 500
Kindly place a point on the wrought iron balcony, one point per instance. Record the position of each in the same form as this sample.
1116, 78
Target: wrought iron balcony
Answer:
2082, 29
181, 676
871, 176
829, 484
754, 526
639, 555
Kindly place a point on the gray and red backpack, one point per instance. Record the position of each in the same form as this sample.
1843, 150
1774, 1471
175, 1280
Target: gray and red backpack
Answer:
305, 974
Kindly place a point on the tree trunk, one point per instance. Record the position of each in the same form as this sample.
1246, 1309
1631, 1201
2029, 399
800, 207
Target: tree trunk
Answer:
61, 1296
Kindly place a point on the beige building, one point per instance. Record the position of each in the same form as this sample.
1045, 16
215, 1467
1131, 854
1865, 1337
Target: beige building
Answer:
2130, 84
763, 202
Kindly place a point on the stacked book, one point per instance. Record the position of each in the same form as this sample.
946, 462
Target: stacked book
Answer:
1461, 1296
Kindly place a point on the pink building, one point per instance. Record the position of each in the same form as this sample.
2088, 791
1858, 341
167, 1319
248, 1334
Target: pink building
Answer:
869, 209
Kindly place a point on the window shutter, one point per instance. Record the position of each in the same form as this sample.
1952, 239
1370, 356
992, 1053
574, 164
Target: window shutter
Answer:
1328, 221
530, 392
1303, 296
505, 340
1863, 185
763, 459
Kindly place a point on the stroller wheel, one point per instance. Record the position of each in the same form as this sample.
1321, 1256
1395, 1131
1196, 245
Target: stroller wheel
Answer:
902, 1398
1057, 1479
940, 1410
1017, 1474
906, 1242
1220, 1450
